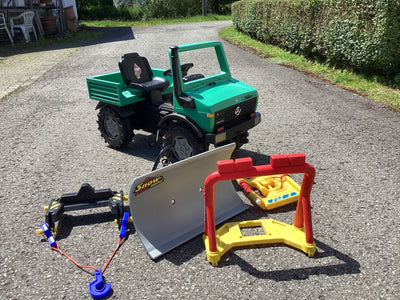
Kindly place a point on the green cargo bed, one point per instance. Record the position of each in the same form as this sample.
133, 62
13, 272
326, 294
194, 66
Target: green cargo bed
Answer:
110, 88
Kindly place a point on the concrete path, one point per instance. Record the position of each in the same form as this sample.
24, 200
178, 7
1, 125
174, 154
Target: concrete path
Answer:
21, 70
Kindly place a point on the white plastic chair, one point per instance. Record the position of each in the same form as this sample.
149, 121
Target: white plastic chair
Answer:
27, 27
3, 25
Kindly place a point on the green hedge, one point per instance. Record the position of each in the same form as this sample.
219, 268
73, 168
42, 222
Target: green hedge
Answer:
168, 9
171, 8
148, 9
105, 9
110, 12
363, 35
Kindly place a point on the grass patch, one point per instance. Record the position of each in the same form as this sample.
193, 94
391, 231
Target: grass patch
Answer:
372, 87
117, 23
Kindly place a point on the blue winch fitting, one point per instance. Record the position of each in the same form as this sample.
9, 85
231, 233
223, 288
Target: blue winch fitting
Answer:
48, 234
97, 288
124, 222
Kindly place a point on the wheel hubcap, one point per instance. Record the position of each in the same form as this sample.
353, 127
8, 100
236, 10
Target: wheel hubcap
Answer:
111, 127
182, 148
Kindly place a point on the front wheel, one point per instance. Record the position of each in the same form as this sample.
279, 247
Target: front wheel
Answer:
116, 131
184, 143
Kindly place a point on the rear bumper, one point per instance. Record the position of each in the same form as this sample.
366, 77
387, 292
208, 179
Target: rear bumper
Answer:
230, 133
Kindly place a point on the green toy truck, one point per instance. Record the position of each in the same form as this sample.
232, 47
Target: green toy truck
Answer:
186, 112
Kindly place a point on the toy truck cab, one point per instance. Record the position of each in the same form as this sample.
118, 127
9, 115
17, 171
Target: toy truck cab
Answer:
187, 111
223, 107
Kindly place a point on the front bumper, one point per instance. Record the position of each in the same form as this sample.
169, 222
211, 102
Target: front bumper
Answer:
233, 132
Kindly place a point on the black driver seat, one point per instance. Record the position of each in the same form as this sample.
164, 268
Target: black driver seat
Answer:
137, 74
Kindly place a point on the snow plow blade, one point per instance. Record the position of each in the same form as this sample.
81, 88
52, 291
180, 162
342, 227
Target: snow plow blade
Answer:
167, 205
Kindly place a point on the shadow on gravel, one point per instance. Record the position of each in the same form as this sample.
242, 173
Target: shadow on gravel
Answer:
108, 35
346, 265
258, 158
112, 34
145, 147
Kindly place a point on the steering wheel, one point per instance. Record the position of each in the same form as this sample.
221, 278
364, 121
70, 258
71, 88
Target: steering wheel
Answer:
185, 68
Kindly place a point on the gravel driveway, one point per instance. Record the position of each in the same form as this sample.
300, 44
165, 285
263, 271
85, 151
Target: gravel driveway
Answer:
50, 145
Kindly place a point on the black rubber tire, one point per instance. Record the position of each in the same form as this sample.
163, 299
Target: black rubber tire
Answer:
184, 143
116, 131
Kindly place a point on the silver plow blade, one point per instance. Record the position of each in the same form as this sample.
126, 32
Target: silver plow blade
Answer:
167, 205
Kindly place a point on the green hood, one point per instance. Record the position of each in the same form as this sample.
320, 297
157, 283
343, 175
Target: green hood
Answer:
212, 98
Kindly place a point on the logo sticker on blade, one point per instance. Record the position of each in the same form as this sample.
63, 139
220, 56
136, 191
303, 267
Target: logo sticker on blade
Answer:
148, 183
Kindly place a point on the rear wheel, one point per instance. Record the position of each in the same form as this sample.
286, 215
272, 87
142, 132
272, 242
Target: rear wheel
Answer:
184, 143
116, 131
